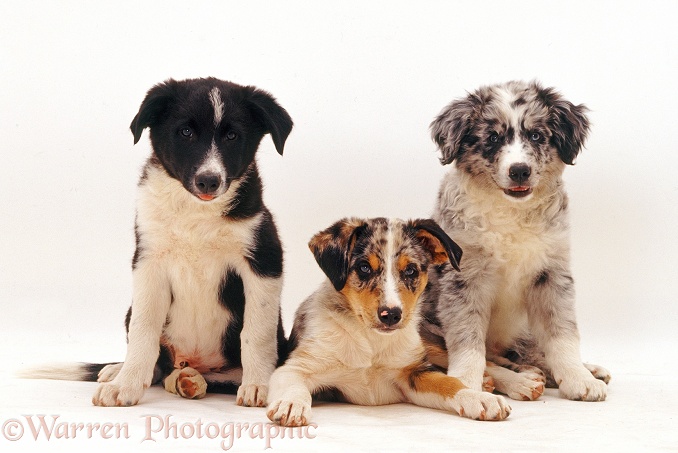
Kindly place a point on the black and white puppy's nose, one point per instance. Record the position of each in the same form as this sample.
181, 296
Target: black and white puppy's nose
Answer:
519, 173
208, 183
390, 316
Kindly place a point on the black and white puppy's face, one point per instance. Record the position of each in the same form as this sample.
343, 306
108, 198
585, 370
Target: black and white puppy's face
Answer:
510, 136
205, 132
381, 266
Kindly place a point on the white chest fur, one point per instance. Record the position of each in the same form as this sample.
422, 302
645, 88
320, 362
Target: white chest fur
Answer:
193, 246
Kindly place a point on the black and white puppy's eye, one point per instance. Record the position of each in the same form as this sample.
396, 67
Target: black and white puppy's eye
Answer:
410, 271
535, 136
186, 132
230, 135
364, 269
494, 137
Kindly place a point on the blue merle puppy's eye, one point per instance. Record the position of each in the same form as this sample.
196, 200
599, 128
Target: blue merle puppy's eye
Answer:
364, 269
410, 271
186, 132
230, 135
494, 137
535, 136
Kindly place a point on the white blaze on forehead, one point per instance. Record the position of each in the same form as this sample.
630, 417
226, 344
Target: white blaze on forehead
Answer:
391, 295
217, 104
212, 163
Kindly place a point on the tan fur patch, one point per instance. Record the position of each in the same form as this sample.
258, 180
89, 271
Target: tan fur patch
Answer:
434, 246
421, 378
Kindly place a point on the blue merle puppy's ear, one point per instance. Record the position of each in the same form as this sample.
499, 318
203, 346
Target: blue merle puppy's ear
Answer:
452, 125
441, 247
568, 123
332, 249
153, 107
272, 117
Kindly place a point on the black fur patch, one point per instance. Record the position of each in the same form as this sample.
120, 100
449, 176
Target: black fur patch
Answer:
542, 278
266, 257
232, 296
247, 201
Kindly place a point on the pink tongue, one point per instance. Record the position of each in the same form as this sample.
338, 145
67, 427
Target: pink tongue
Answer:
206, 197
519, 189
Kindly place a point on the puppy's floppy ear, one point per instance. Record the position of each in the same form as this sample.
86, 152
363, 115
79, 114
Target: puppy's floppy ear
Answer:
332, 249
568, 123
272, 116
154, 104
437, 242
452, 125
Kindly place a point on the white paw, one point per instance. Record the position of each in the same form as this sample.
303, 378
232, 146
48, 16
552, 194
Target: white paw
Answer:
480, 405
109, 372
117, 394
289, 413
583, 389
599, 372
526, 386
252, 395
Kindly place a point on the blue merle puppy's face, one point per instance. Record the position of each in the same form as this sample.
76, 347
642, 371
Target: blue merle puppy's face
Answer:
511, 137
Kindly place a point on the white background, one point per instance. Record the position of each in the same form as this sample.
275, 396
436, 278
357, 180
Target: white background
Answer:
362, 81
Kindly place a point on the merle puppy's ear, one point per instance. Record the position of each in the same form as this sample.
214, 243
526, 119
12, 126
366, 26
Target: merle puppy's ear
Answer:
155, 103
436, 241
332, 249
452, 125
272, 116
568, 123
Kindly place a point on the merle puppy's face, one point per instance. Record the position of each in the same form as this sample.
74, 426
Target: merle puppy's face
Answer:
511, 137
381, 266
205, 132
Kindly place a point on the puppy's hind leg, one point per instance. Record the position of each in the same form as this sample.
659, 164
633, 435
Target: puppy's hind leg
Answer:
187, 383
425, 386
527, 385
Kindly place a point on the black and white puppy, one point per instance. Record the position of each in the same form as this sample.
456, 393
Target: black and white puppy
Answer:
505, 204
207, 270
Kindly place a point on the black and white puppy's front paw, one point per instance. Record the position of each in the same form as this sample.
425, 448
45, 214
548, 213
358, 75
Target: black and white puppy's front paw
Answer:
289, 413
252, 395
118, 393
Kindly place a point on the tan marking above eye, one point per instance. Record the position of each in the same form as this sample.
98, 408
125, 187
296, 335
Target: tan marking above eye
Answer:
374, 261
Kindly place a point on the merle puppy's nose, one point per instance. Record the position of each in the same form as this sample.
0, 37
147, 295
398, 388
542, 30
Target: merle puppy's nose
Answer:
519, 173
208, 183
390, 316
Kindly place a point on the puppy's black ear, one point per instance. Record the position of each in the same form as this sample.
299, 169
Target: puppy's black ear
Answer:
437, 242
272, 116
154, 105
452, 125
568, 123
332, 249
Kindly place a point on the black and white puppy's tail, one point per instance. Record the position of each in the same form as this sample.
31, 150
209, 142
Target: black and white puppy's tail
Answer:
65, 371
222, 382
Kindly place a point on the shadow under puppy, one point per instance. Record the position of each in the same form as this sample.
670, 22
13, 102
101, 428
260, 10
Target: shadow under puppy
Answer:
207, 270
357, 334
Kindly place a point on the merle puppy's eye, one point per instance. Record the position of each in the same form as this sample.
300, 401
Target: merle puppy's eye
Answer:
494, 137
364, 269
186, 132
410, 271
230, 135
535, 136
